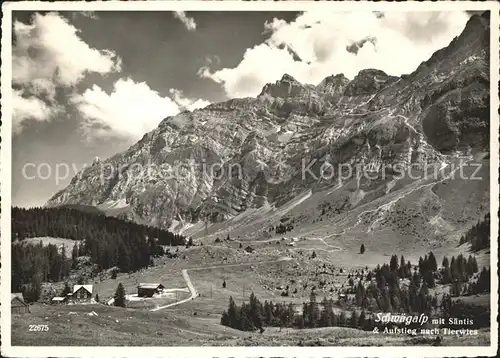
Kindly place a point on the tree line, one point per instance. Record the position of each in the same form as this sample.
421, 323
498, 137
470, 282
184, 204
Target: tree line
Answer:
254, 315
108, 241
74, 224
385, 292
34, 264
478, 235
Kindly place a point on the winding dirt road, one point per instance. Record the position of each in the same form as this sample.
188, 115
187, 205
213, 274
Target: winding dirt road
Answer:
192, 289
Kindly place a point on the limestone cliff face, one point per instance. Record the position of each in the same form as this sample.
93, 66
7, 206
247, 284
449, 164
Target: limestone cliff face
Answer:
217, 162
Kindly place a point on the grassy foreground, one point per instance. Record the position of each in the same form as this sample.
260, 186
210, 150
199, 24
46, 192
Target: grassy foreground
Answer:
72, 325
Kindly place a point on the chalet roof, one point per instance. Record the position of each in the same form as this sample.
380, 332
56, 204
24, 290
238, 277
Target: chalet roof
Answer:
150, 285
17, 300
18, 295
86, 287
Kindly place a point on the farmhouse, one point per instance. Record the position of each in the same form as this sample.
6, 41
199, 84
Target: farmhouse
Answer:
149, 289
17, 304
82, 293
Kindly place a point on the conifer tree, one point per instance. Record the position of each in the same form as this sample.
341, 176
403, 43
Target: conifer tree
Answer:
255, 311
119, 297
474, 265
447, 275
66, 289
224, 320
402, 267
432, 263
360, 293
245, 321
417, 279
313, 311
32, 291
354, 319
446, 262
300, 322
342, 319
326, 316
483, 282
394, 263
233, 313
362, 319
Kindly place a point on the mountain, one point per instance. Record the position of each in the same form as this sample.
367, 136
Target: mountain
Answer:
245, 164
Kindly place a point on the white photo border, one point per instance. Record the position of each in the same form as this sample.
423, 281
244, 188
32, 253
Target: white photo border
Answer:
212, 351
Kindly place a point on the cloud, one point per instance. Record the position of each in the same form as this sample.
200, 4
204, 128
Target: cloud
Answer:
49, 54
260, 64
129, 111
187, 103
49, 48
187, 21
320, 43
355, 46
29, 108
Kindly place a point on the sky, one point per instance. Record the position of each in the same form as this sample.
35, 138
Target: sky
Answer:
91, 84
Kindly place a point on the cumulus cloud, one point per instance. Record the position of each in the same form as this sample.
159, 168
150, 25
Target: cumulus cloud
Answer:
187, 103
31, 107
49, 48
188, 22
48, 54
322, 44
129, 111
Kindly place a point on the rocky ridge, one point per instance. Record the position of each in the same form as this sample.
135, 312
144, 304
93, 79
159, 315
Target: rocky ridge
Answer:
218, 162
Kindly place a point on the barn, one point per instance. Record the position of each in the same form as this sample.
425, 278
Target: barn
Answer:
149, 289
59, 300
82, 293
17, 304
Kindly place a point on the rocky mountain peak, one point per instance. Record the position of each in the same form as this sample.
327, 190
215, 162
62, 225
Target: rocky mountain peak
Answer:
333, 84
368, 81
287, 86
288, 78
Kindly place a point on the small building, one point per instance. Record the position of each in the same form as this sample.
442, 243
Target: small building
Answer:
59, 300
82, 293
17, 304
149, 289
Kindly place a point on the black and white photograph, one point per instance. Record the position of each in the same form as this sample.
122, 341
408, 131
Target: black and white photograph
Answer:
211, 178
